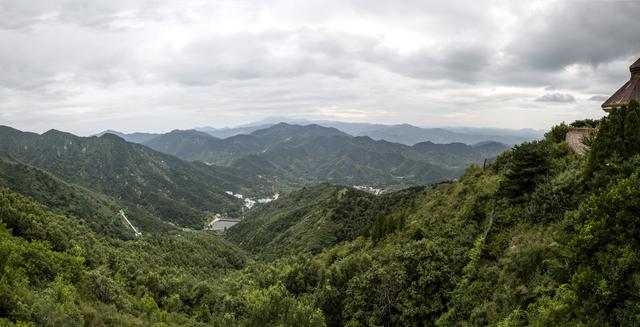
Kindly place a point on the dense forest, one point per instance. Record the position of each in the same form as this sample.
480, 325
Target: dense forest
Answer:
297, 155
158, 187
541, 237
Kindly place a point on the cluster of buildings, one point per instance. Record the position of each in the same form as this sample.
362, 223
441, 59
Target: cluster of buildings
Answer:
221, 222
370, 189
250, 203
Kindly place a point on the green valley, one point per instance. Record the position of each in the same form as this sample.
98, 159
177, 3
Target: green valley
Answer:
541, 237
319, 163
297, 155
138, 178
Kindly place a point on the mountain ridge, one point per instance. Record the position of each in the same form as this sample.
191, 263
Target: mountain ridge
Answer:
401, 133
313, 153
168, 188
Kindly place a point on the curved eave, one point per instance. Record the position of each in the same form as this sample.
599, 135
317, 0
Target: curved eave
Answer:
628, 92
635, 66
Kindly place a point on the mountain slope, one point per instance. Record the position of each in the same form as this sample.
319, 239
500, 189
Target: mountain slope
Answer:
355, 161
313, 219
55, 271
185, 144
537, 245
541, 237
195, 145
97, 211
459, 155
296, 155
171, 189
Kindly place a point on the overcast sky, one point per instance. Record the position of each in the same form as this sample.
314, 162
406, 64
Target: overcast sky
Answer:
155, 65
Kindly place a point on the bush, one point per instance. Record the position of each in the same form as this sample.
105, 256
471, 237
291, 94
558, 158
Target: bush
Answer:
617, 141
529, 163
557, 133
586, 123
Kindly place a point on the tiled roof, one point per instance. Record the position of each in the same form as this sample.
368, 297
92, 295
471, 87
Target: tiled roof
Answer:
628, 92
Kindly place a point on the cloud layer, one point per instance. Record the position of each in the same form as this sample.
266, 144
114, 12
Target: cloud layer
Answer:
88, 65
557, 97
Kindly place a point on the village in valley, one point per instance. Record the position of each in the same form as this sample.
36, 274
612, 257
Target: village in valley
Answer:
221, 221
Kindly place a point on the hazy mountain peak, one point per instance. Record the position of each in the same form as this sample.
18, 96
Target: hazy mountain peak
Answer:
132, 137
57, 133
283, 129
109, 131
5, 129
190, 132
112, 136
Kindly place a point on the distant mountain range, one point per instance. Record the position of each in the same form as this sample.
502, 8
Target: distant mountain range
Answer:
132, 137
155, 186
298, 155
403, 133
98, 175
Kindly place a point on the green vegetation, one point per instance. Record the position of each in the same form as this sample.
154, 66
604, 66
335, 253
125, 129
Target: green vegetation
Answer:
96, 210
314, 219
55, 271
298, 155
562, 250
157, 187
614, 150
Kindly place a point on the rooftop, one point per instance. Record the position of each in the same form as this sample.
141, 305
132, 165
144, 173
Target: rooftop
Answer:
635, 68
628, 92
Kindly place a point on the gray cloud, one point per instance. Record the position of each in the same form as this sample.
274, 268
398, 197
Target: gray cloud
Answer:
556, 97
112, 14
579, 32
284, 54
456, 63
268, 54
599, 98
90, 64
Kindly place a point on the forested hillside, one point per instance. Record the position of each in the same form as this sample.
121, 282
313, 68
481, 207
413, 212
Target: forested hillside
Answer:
195, 145
57, 272
541, 237
316, 218
137, 177
96, 210
297, 155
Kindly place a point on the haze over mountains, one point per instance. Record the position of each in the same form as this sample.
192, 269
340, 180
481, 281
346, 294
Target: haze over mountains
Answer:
404, 133
414, 220
309, 154
160, 188
94, 177
321, 249
301, 152
429, 250
148, 178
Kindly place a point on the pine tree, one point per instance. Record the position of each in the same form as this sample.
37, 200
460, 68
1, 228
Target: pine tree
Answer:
608, 147
528, 165
632, 130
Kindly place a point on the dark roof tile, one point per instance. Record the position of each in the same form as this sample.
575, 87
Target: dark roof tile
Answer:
628, 92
